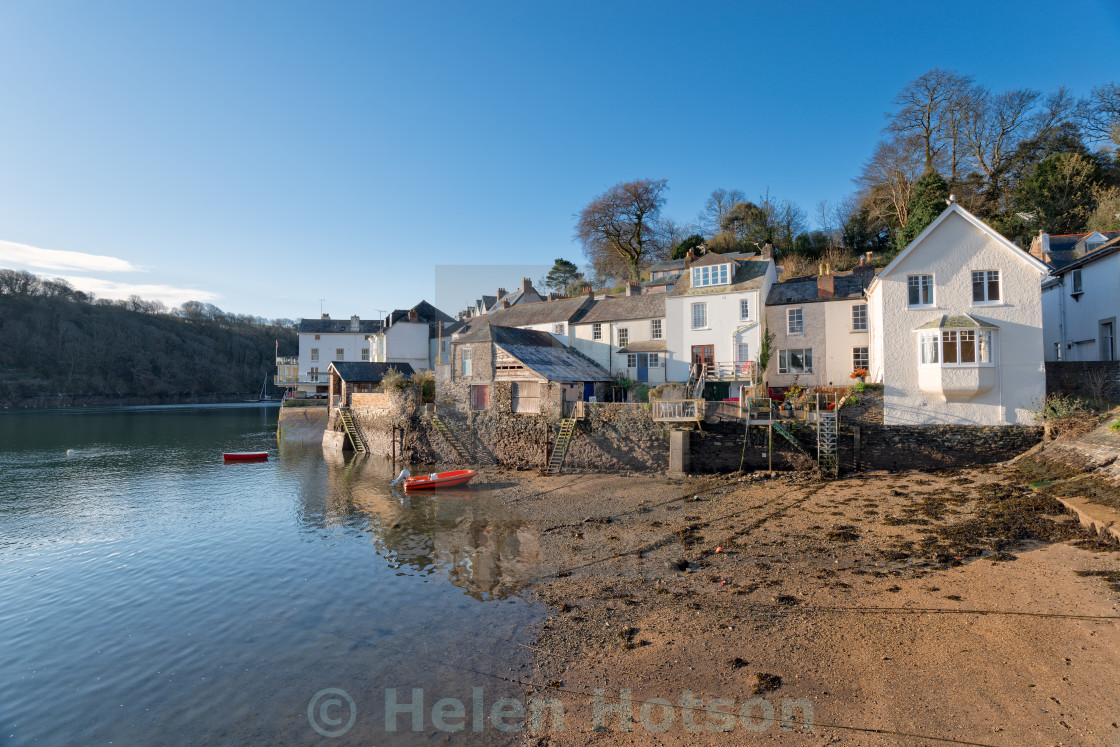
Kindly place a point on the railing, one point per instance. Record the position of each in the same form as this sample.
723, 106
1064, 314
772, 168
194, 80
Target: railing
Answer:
287, 361
320, 378
729, 371
677, 409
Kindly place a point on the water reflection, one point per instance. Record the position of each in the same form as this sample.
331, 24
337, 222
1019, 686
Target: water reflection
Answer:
463, 535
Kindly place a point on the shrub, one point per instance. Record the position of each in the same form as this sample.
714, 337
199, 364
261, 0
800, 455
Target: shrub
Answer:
640, 393
393, 380
1059, 407
425, 381
859, 386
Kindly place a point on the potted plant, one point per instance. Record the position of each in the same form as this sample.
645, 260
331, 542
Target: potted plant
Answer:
860, 374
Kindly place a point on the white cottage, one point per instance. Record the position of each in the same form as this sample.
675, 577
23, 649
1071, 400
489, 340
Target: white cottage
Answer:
714, 315
625, 335
956, 327
1081, 303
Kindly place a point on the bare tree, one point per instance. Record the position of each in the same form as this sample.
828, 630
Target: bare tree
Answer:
931, 108
994, 127
717, 207
1100, 115
888, 178
619, 229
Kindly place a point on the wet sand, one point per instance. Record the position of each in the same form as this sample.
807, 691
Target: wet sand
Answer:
909, 608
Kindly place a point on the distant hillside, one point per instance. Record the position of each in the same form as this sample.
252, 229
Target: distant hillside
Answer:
58, 341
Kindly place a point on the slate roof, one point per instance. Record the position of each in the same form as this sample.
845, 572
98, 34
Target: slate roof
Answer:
526, 314
336, 326
366, 371
424, 310
645, 346
956, 321
538, 351
620, 308
669, 264
1064, 251
521, 296
805, 290
1109, 247
748, 276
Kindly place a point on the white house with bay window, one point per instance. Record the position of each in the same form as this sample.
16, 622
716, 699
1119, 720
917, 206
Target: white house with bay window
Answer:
956, 327
715, 316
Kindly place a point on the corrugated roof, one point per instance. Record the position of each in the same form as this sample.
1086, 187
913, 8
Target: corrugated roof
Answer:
538, 351
366, 371
805, 290
335, 326
625, 307
749, 276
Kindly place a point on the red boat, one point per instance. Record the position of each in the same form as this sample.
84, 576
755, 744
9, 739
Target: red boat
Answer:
244, 456
440, 479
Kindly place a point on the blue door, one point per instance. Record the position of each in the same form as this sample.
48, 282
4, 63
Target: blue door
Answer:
643, 367
588, 391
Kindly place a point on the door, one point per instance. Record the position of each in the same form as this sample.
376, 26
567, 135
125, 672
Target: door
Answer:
1108, 340
588, 390
703, 355
643, 366
526, 397
480, 397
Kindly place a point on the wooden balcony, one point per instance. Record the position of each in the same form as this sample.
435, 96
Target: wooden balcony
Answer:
729, 371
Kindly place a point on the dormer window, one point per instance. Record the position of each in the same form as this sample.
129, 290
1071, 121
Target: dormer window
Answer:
711, 275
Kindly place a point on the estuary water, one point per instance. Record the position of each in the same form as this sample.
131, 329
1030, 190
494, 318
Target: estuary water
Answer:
151, 594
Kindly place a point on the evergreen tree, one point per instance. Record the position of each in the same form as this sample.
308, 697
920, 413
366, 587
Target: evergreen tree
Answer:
682, 248
562, 273
926, 203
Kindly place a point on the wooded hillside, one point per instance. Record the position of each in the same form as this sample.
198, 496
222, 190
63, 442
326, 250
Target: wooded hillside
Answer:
55, 340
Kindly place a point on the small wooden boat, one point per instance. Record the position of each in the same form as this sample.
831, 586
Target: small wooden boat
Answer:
440, 479
244, 456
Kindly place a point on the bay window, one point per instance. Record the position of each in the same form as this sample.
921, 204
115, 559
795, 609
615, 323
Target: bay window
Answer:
956, 347
711, 275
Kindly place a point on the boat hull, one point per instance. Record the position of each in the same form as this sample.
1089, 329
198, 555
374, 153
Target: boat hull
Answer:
244, 456
440, 480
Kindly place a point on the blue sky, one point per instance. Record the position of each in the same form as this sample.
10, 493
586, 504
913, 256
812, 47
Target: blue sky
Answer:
263, 156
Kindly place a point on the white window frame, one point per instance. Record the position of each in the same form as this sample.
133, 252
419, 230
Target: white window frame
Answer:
558, 328
742, 352
623, 337
935, 344
631, 360
744, 309
365, 354
467, 366
597, 331
1075, 278
708, 275
923, 282
859, 317
795, 321
861, 360
702, 310
340, 354
314, 354
785, 360
655, 360
983, 279
655, 329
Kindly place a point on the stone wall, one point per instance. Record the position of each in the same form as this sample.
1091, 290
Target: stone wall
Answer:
1083, 377
372, 402
901, 447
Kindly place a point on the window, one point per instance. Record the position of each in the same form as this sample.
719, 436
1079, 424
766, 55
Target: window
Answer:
795, 361
859, 318
558, 328
742, 352
316, 337
365, 354
465, 357
631, 360
860, 359
1077, 281
314, 354
921, 290
795, 322
956, 347
340, 354
985, 286
711, 275
655, 329
744, 309
699, 315
655, 360
623, 337
596, 331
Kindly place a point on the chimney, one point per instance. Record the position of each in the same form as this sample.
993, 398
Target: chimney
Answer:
689, 258
633, 289
826, 287
526, 285
590, 293
504, 304
326, 316
413, 316
864, 270
355, 323
501, 292
862, 260
1040, 246
768, 251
